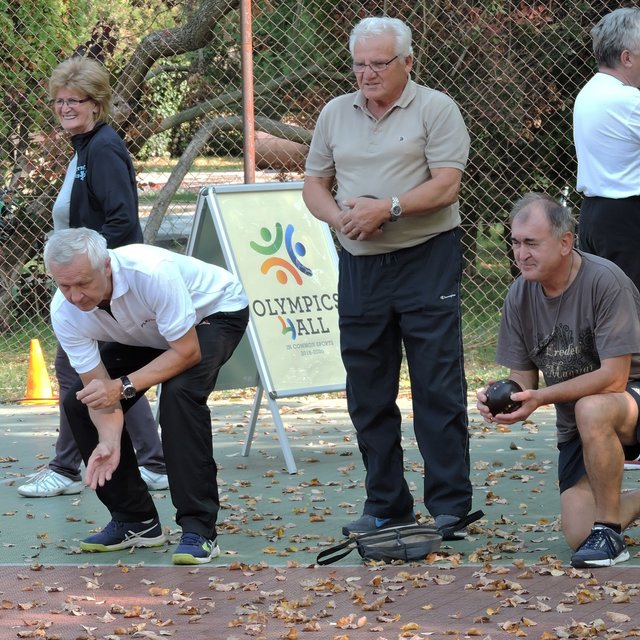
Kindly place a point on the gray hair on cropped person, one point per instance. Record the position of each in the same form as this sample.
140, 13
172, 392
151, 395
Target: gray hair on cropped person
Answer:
616, 32
84, 75
560, 218
64, 246
375, 26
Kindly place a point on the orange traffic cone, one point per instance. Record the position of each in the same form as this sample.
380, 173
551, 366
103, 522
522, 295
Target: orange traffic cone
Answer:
38, 383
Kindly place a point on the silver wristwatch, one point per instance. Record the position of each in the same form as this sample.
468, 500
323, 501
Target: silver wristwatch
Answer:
128, 390
396, 209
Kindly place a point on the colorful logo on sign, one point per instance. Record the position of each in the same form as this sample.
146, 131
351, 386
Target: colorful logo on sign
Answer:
283, 268
287, 327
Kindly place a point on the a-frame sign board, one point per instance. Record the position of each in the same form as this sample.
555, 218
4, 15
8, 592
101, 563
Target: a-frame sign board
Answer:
287, 262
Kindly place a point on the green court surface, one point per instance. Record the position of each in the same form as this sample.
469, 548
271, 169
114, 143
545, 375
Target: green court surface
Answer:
273, 517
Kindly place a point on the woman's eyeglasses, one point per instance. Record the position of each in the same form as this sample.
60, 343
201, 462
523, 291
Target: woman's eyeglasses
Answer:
70, 102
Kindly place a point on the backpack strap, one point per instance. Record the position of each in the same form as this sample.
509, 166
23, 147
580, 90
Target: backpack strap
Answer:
335, 553
454, 531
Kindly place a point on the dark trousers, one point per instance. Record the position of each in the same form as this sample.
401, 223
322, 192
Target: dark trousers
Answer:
409, 297
611, 228
186, 430
141, 426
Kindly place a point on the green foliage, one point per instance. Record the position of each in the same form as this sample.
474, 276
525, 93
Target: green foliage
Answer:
35, 34
164, 98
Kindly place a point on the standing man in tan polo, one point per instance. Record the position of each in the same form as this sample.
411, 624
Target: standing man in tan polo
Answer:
400, 269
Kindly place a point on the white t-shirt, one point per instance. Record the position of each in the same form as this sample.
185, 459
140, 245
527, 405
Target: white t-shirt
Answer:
62, 206
158, 295
606, 133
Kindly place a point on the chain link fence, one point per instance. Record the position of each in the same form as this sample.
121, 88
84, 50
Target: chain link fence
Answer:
176, 66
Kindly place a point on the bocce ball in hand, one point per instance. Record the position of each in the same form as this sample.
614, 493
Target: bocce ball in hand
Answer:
499, 397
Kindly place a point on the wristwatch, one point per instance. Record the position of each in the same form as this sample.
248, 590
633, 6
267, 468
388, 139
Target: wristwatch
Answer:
396, 209
128, 390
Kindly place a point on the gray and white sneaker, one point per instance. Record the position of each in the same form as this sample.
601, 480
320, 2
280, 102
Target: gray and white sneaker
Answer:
367, 523
154, 481
48, 483
604, 547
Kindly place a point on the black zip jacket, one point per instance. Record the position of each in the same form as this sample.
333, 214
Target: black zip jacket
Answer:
104, 196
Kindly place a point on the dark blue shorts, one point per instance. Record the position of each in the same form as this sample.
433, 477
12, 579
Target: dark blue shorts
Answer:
570, 460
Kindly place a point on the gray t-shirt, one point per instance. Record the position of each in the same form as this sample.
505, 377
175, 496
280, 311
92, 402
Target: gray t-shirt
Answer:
598, 319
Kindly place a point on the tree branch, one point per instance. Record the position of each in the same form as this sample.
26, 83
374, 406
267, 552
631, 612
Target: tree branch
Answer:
167, 43
210, 127
145, 130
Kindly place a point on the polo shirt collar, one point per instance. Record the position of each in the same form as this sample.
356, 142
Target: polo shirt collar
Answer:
119, 285
408, 94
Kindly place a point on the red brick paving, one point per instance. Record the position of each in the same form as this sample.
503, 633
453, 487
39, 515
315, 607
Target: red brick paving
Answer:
355, 603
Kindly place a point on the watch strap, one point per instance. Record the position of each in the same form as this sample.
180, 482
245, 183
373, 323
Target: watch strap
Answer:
127, 386
396, 210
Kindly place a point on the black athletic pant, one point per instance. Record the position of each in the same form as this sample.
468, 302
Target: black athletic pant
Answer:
185, 423
411, 297
611, 228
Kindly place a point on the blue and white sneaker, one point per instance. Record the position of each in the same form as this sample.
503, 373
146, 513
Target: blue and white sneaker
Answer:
195, 549
122, 535
604, 547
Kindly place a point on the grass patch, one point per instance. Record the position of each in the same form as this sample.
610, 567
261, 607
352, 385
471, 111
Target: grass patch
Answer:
166, 165
181, 197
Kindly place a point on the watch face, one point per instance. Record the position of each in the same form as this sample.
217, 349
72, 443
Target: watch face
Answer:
129, 392
396, 209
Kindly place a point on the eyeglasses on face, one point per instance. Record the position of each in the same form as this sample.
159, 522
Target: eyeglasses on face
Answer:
70, 102
376, 67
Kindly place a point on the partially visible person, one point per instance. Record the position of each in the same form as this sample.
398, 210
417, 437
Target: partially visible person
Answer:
100, 192
406, 146
575, 317
606, 132
162, 318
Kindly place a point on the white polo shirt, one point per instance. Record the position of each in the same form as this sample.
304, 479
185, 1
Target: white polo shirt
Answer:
158, 295
606, 133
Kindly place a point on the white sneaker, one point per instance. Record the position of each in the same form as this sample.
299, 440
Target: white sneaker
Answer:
48, 483
632, 464
155, 481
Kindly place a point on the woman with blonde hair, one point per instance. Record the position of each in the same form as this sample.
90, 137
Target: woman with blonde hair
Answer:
100, 192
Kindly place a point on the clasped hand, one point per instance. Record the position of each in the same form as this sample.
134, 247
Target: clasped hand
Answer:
362, 218
100, 393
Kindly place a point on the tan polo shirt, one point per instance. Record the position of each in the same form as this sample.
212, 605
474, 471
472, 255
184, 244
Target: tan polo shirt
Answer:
424, 130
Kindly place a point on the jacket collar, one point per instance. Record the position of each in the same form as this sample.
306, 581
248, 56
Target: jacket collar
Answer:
81, 140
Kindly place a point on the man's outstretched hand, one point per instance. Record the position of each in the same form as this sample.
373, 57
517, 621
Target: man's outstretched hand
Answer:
103, 462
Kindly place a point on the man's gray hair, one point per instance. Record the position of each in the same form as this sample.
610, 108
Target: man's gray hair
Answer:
559, 216
375, 26
64, 246
617, 31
